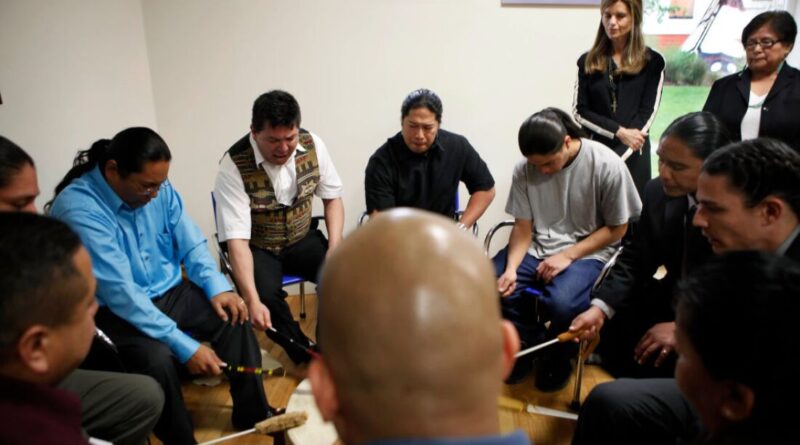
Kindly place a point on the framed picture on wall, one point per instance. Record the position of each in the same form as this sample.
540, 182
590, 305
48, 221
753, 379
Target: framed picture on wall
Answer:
551, 2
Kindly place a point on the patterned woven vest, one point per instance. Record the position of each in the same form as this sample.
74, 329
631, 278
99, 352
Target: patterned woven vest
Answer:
274, 225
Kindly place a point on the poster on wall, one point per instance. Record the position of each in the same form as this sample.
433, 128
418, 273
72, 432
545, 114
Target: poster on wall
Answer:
551, 2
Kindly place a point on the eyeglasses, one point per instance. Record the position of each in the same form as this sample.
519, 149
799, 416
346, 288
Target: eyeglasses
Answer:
765, 43
148, 191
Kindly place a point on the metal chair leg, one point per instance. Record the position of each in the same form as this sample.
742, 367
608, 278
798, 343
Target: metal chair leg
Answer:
575, 404
303, 300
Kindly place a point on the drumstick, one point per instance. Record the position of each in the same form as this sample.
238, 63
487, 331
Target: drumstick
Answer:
627, 154
566, 336
310, 351
250, 370
268, 426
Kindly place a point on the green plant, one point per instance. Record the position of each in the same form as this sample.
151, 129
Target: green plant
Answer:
684, 68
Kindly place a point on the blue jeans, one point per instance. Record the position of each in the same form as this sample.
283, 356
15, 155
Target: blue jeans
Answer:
561, 300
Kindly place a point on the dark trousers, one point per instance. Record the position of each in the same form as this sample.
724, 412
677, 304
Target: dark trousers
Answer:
639, 165
191, 310
629, 411
563, 298
117, 407
621, 334
303, 258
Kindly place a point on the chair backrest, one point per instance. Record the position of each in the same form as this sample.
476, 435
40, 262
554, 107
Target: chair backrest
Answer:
487, 242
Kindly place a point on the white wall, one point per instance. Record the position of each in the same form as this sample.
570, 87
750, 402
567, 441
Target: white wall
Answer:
74, 71
350, 63
71, 72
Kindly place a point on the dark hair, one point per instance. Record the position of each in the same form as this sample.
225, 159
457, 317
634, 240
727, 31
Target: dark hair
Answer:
12, 159
780, 21
278, 108
543, 133
701, 131
738, 314
420, 98
759, 168
39, 283
130, 148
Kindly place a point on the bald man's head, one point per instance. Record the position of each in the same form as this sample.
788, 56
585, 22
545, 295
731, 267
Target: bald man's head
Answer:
410, 329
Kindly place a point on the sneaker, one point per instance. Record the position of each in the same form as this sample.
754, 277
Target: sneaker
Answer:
552, 374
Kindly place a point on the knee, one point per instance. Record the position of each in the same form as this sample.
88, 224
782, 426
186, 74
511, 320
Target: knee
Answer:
561, 311
149, 399
608, 399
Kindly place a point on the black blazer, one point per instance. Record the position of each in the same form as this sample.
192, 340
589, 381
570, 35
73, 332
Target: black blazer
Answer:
794, 250
780, 113
658, 239
638, 98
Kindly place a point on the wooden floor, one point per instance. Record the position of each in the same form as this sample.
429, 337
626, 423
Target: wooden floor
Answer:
210, 407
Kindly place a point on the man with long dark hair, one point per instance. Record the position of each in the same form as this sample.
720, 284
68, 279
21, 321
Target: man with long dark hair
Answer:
571, 199
132, 221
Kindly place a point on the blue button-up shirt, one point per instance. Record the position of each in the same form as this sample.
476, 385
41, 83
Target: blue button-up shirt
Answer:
137, 253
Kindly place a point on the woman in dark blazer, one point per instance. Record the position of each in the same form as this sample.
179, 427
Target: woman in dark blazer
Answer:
763, 100
619, 86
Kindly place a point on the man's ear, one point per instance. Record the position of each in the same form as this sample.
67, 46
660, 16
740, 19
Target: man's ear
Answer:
32, 349
510, 346
737, 402
110, 168
772, 209
323, 388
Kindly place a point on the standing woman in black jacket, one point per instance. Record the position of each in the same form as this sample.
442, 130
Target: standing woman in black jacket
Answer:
619, 86
763, 100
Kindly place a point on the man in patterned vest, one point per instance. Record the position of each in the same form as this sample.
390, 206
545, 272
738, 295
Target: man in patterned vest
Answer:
264, 189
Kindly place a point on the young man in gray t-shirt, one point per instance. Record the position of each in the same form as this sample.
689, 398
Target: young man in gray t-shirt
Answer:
573, 198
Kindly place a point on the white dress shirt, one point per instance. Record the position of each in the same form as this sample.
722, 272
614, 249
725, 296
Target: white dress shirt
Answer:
233, 203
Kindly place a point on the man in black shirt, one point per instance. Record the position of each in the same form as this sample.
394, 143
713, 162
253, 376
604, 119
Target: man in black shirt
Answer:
422, 165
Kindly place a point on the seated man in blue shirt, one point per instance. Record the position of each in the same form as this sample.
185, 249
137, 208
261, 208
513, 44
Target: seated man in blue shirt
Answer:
422, 165
118, 199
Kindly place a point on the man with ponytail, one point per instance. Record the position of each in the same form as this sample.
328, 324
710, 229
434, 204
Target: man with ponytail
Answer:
134, 225
571, 199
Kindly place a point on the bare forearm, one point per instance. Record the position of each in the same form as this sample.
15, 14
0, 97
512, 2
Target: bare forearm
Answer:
599, 239
518, 243
478, 203
334, 220
242, 263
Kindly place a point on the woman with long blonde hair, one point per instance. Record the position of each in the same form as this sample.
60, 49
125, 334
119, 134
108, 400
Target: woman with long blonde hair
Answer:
619, 86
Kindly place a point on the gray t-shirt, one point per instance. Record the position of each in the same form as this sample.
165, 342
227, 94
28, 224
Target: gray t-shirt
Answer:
595, 190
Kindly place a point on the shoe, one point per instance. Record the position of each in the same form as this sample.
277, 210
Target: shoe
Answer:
552, 374
522, 367
246, 424
276, 411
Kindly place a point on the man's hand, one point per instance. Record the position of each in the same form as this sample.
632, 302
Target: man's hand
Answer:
259, 315
632, 137
507, 283
590, 322
233, 303
552, 266
660, 339
204, 362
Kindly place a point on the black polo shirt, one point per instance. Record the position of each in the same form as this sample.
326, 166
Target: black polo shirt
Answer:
398, 177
